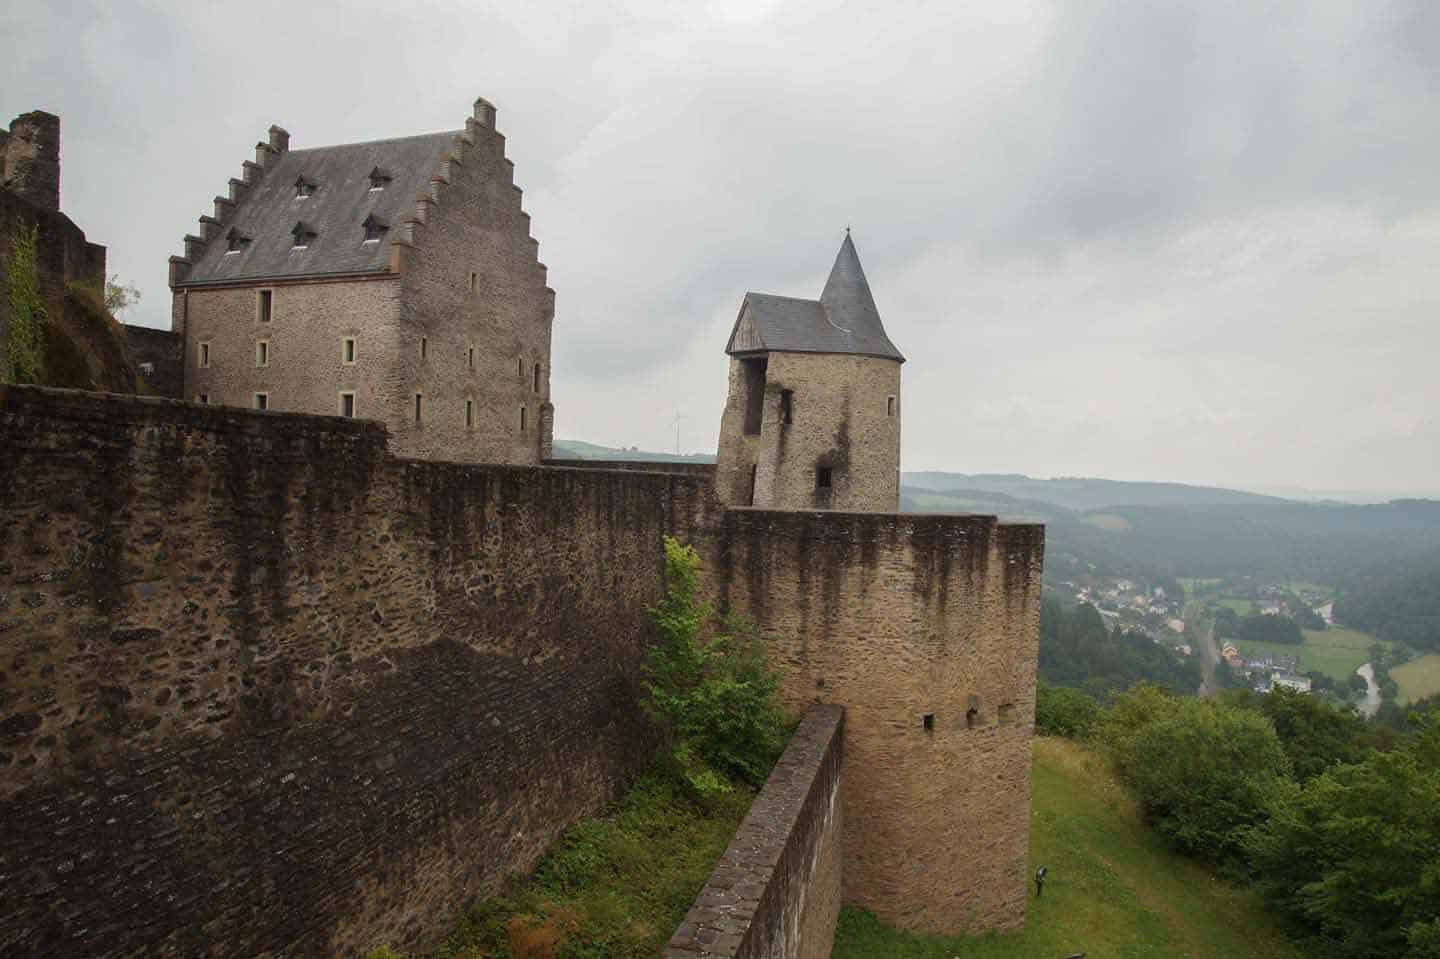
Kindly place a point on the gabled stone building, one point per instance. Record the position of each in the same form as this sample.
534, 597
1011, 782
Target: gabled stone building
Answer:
813, 416
393, 280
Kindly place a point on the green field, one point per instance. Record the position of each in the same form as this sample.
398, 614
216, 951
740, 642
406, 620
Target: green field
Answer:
1418, 678
1336, 651
1113, 891
1243, 607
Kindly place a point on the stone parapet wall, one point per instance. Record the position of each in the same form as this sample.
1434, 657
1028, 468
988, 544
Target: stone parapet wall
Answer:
702, 470
776, 890
269, 690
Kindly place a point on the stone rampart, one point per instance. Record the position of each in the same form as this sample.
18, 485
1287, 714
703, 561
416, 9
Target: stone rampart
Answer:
703, 470
267, 689
776, 891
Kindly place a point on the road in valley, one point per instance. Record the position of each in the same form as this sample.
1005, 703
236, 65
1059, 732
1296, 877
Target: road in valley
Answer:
1200, 629
1370, 705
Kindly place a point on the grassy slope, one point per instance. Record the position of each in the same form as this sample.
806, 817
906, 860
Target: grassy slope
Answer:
1113, 891
1418, 678
1336, 652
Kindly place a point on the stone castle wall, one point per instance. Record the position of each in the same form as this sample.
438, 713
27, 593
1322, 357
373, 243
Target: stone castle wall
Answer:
268, 689
926, 629
776, 890
841, 419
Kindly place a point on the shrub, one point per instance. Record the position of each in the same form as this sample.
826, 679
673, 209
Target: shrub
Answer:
713, 698
1061, 711
1201, 770
25, 354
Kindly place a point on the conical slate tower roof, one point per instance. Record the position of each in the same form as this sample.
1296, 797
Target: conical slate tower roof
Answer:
843, 320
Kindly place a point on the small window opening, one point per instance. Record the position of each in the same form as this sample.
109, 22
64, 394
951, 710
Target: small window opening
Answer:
929, 722
262, 352
347, 404
889, 406
754, 472
379, 179
304, 189
262, 401
754, 394
302, 235
374, 228
424, 347
522, 419
787, 406
473, 279
537, 377
469, 413
347, 350
203, 398
972, 716
265, 305
204, 355
824, 477
520, 368
235, 241
418, 400
470, 357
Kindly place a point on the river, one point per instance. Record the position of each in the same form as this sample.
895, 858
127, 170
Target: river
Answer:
1371, 703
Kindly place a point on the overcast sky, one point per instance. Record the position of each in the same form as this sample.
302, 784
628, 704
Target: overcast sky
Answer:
1185, 241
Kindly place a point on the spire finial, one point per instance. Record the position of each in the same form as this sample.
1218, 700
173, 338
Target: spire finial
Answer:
847, 229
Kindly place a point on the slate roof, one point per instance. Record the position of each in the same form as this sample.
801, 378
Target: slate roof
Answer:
844, 319
337, 211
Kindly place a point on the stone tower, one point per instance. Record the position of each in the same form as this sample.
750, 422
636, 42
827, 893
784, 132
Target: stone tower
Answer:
30, 158
813, 416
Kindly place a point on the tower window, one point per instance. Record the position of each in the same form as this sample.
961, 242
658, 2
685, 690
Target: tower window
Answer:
424, 347
824, 477
347, 404
204, 356
262, 352
537, 377
469, 413
787, 406
754, 370
419, 399
929, 722
202, 398
262, 401
522, 419
347, 350
972, 717
374, 228
265, 305
470, 357
473, 278
889, 406
520, 368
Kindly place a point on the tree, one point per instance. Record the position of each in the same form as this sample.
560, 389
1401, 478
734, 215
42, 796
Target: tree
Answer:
1065, 712
1314, 734
119, 296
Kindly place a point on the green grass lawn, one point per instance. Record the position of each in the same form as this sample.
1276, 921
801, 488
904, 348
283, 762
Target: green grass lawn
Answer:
1418, 678
1114, 891
1336, 652
1243, 607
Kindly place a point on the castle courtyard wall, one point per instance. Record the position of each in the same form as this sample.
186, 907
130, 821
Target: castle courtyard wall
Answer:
269, 690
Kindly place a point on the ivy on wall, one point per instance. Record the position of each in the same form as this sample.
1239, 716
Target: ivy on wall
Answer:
25, 354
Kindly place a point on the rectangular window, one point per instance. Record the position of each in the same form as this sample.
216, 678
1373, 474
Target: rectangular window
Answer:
473, 278
204, 356
262, 352
347, 404
202, 398
470, 358
929, 722
522, 419
889, 406
537, 377
265, 301
262, 401
469, 413
823, 477
347, 350
520, 368
787, 406
424, 347
418, 401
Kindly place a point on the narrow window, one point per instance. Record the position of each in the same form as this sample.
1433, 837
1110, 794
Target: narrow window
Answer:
537, 377
262, 352
264, 304
787, 406
347, 404
520, 368
754, 471
470, 357
418, 400
972, 716
204, 356
522, 419
203, 398
473, 279
374, 228
823, 477
929, 722
469, 413
754, 394
262, 401
889, 406
347, 350
424, 347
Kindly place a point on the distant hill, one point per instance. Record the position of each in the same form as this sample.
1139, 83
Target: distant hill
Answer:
581, 450
1083, 493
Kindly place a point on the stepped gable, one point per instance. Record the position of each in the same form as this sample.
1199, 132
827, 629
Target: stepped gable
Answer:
267, 208
844, 319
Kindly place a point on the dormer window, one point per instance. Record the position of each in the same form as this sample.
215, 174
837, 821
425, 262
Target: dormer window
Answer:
302, 234
374, 228
235, 241
379, 179
305, 188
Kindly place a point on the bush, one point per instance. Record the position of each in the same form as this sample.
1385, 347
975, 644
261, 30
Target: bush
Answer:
24, 361
713, 698
1060, 711
1201, 770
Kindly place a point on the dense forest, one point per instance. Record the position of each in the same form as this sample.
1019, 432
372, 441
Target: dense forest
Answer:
1398, 600
1077, 650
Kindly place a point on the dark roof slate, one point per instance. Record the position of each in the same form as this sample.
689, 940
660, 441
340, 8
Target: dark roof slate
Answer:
342, 201
844, 319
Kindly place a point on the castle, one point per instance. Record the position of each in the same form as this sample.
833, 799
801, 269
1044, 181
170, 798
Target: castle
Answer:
394, 280
284, 683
